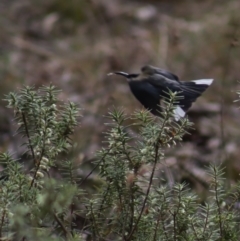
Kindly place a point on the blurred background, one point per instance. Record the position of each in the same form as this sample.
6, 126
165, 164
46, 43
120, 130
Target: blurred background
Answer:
74, 44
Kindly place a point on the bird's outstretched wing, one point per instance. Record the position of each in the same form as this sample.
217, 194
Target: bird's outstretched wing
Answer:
191, 90
188, 92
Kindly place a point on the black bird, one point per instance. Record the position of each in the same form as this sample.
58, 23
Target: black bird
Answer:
153, 84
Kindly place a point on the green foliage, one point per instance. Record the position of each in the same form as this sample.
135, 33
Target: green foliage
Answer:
32, 200
132, 203
134, 207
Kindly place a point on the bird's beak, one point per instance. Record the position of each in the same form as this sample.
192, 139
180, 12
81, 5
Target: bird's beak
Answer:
124, 74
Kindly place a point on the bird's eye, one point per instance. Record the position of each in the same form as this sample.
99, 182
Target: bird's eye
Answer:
148, 70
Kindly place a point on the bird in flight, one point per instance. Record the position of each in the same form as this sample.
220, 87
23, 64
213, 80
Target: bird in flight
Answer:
153, 84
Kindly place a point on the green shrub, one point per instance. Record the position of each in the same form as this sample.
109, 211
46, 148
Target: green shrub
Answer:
40, 202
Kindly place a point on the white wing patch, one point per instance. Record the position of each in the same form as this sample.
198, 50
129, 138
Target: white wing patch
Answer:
178, 113
203, 81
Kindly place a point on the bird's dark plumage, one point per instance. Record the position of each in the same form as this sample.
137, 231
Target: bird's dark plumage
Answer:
153, 84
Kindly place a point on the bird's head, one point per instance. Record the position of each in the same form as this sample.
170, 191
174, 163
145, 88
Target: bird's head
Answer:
148, 70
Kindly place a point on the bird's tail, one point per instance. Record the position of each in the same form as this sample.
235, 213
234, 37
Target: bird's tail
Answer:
190, 91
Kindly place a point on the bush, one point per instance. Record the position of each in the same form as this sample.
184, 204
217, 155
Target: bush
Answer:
42, 202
